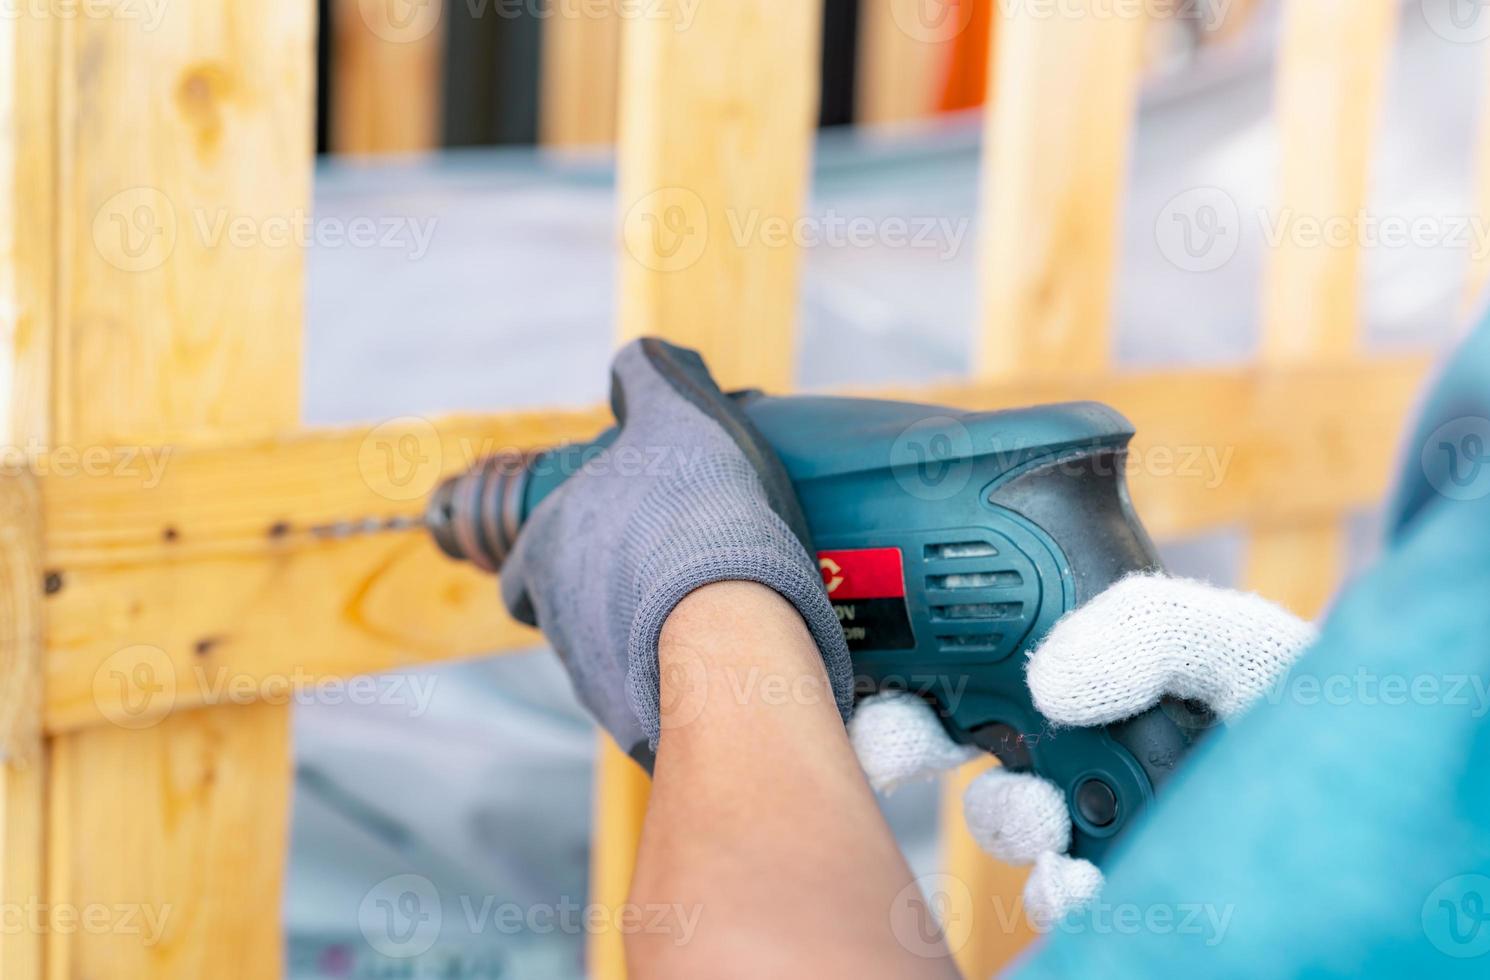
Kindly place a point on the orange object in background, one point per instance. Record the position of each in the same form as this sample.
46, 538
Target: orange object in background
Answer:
967, 73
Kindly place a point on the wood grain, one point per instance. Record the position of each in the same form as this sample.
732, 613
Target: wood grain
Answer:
717, 123
1331, 72
1056, 149
386, 76
28, 265
581, 65
245, 558
183, 160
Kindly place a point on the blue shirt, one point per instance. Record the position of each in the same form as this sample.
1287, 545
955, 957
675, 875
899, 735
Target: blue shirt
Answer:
1342, 828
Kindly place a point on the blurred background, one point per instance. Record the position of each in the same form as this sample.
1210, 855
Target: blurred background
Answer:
477, 134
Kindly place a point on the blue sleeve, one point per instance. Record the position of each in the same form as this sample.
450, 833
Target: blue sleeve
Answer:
1343, 826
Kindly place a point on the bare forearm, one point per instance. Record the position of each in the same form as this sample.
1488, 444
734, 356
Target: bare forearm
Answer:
760, 817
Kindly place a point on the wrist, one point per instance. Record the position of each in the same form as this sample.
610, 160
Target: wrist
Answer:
732, 649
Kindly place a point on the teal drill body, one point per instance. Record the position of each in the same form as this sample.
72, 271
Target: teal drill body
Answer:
950, 543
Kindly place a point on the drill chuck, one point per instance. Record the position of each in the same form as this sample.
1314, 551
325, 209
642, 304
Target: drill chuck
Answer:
475, 517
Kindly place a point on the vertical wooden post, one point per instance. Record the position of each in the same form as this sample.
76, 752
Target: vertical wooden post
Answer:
717, 122
1478, 278
1062, 101
183, 155
386, 75
28, 263
22, 753
581, 66
1331, 71
904, 48
716, 138
1064, 89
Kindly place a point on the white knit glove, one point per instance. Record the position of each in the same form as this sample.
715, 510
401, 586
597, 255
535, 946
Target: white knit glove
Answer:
1145, 637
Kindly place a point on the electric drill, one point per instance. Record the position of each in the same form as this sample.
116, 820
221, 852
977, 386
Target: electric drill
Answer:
949, 543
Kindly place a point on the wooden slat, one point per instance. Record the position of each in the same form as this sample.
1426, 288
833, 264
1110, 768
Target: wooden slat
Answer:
717, 122
986, 923
386, 75
1331, 72
1062, 97
716, 131
581, 65
904, 50
1479, 261
28, 262
169, 334
1055, 160
22, 752
224, 549
616, 814
186, 826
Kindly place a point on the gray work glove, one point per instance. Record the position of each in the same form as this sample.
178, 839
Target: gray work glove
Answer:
689, 493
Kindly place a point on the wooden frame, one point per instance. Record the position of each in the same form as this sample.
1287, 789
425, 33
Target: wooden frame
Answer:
268, 551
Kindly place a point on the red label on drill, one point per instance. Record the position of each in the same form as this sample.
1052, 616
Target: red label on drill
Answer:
867, 589
863, 573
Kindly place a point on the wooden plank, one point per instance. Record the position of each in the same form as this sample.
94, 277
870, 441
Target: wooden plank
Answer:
986, 926
1331, 73
225, 548
717, 124
1064, 90
386, 75
617, 812
184, 825
22, 752
1479, 261
28, 139
184, 160
581, 64
1062, 97
28, 257
905, 47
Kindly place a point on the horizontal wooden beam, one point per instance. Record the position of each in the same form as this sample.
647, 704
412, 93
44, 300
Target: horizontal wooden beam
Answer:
239, 573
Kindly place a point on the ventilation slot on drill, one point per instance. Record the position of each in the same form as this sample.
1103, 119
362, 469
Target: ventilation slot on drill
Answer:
970, 643
976, 610
960, 549
975, 580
